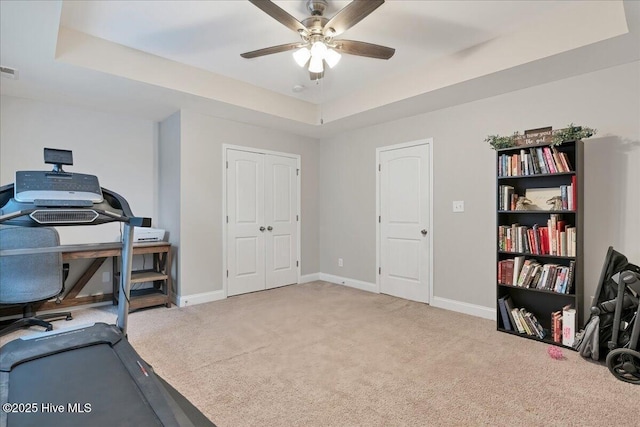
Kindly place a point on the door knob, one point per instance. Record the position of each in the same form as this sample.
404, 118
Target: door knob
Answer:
262, 228
424, 232
269, 228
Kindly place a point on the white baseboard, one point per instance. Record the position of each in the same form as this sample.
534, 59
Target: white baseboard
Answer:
464, 307
201, 298
352, 283
309, 278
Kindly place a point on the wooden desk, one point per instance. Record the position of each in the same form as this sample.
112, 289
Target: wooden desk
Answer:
99, 252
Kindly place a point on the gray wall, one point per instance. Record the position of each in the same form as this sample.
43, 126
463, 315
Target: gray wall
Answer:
120, 150
176, 177
200, 145
169, 183
464, 243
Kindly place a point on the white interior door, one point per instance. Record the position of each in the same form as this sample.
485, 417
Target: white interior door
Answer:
404, 222
281, 203
245, 228
262, 221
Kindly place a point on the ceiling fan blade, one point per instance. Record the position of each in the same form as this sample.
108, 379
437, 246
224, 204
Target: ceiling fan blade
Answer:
350, 15
279, 15
270, 50
364, 49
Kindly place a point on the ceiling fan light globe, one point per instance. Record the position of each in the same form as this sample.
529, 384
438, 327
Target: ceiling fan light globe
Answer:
318, 49
315, 64
332, 57
301, 56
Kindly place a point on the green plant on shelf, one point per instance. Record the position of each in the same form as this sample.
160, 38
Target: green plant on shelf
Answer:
572, 133
497, 141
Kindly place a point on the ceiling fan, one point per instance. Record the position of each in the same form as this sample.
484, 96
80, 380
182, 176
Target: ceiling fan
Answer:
318, 46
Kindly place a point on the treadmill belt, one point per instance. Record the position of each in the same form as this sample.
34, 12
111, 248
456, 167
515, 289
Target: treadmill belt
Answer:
113, 398
86, 376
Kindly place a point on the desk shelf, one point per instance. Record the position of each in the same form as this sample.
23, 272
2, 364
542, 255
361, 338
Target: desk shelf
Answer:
159, 275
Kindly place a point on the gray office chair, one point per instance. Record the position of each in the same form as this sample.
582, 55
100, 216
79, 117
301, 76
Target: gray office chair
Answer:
26, 279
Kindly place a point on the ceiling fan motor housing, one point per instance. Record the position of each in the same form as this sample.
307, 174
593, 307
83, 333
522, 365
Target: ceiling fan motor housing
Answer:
317, 7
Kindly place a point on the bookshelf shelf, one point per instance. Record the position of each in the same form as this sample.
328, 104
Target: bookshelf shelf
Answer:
545, 291
543, 249
537, 175
536, 255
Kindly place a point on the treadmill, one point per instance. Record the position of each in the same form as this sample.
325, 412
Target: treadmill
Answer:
88, 375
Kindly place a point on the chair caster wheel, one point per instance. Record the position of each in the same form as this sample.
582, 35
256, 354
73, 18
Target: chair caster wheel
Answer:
49, 328
69, 317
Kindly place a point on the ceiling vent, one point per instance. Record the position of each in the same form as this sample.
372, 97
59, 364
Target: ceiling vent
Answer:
10, 73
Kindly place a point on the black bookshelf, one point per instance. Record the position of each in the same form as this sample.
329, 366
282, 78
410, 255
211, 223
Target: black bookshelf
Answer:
541, 303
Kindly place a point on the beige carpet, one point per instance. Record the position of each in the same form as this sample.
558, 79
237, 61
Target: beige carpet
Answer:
320, 354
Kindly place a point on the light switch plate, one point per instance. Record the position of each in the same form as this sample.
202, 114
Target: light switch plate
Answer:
458, 205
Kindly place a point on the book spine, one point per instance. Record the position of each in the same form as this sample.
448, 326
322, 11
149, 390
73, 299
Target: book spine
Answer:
549, 158
557, 160
503, 314
556, 326
515, 313
541, 161
574, 187
570, 277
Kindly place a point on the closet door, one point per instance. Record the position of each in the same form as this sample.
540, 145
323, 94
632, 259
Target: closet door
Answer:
281, 203
246, 225
262, 223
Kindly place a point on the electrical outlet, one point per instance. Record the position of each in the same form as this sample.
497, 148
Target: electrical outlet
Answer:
340, 262
458, 206
106, 277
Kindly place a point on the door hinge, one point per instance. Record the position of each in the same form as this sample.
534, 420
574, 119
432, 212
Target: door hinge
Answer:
227, 219
297, 263
227, 165
297, 172
227, 273
379, 270
379, 218
379, 167
297, 218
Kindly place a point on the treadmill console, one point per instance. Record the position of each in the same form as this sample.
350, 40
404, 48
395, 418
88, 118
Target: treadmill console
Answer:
40, 185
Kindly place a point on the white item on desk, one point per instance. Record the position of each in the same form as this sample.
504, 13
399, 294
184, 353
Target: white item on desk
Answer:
146, 234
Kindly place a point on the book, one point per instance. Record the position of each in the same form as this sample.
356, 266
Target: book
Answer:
515, 314
557, 160
508, 272
503, 314
568, 286
531, 281
534, 160
541, 161
517, 266
564, 157
549, 160
552, 225
574, 187
534, 325
508, 304
568, 326
560, 279
556, 326
524, 272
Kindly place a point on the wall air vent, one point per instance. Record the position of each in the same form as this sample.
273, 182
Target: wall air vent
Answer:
10, 73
